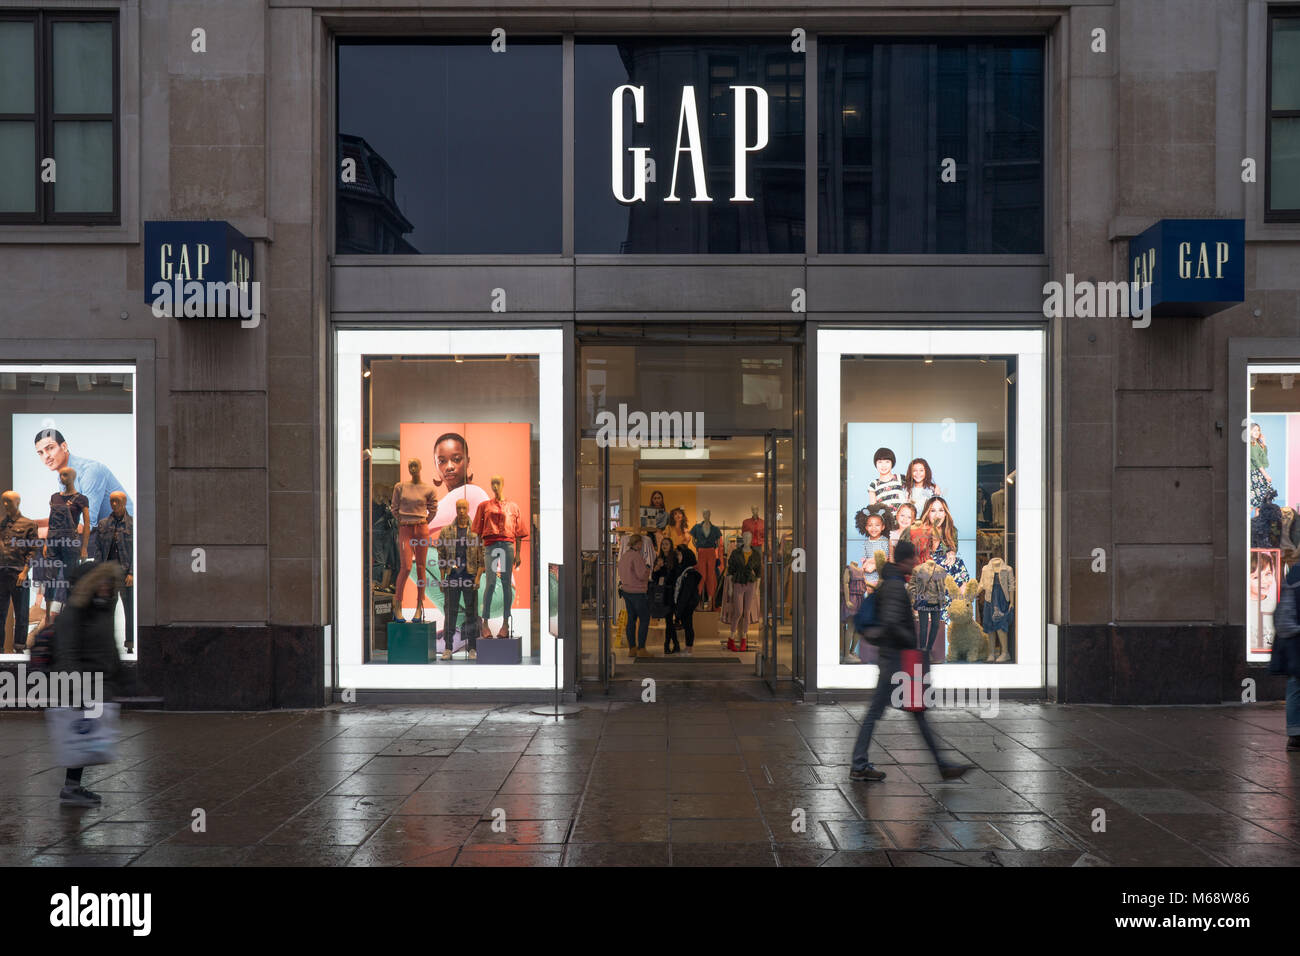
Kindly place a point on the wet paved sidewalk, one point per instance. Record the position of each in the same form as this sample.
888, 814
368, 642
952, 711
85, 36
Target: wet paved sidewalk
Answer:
664, 784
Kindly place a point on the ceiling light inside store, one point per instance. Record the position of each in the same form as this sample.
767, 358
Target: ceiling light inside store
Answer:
40, 380
52, 383
674, 454
366, 373
929, 360
1287, 382
128, 383
9, 382
384, 456
1011, 478
84, 382
1011, 379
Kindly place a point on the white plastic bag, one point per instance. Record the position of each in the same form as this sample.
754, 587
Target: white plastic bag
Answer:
81, 741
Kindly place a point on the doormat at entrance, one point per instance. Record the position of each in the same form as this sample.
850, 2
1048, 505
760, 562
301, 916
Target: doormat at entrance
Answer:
687, 659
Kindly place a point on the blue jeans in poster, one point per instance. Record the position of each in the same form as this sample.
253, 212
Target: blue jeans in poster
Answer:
500, 556
891, 663
638, 616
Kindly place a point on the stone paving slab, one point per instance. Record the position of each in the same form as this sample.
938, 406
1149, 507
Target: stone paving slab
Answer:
690, 783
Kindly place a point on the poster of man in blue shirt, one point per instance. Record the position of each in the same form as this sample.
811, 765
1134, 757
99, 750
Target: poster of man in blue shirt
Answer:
94, 479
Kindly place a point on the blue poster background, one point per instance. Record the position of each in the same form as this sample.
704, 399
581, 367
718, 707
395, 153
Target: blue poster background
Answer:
952, 464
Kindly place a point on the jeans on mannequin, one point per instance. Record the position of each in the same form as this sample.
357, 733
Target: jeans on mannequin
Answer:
459, 589
929, 622
11, 590
500, 566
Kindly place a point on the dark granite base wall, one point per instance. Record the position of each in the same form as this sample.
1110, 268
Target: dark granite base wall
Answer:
233, 668
1121, 664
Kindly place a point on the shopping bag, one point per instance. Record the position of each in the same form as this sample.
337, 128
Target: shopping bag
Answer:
913, 682
81, 741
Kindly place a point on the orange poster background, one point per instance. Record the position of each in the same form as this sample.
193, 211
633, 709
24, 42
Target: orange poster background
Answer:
495, 448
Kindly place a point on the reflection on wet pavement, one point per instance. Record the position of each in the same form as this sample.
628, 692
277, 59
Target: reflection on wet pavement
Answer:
667, 784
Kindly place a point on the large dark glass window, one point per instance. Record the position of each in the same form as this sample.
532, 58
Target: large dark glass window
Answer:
456, 149
1283, 172
892, 110
59, 101
766, 216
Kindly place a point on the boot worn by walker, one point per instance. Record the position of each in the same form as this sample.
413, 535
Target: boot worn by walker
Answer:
731, 644
79, 797
868, 773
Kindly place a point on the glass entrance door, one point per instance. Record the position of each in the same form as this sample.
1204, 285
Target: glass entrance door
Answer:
780, 596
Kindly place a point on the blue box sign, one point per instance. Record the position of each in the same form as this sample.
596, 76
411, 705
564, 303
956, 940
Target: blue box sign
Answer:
1196, 267
200, 269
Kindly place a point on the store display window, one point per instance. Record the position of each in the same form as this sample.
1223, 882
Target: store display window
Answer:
1270, 454
942, 446
449, 503
68, 478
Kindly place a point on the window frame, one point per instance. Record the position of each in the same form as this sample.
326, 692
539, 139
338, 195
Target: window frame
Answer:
44, 117
1270, 114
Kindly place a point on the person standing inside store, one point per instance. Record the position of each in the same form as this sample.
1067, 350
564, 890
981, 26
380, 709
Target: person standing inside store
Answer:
896, 632
886, 488
19, 540
114, 541
686, 595
84, 642
94, 479
634, 579
676, 528
663, 576
654, 518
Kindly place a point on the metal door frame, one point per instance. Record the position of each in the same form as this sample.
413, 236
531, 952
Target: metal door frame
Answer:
766, 659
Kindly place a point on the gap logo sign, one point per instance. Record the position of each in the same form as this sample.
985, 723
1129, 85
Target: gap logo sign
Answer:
1194, 267
197, 269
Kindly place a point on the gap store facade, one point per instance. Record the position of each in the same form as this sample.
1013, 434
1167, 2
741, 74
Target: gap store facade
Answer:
691, 273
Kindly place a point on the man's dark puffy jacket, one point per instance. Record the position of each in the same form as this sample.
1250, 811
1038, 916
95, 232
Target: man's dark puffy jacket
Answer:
894, 609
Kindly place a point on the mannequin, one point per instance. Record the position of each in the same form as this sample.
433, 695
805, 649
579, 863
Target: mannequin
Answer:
68, 531
998, 586
755, 526
460, 555
744, 568
114, 541
414, 505
707, 538
19, 540
383, 538
501, 527
999, 503
927, 591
